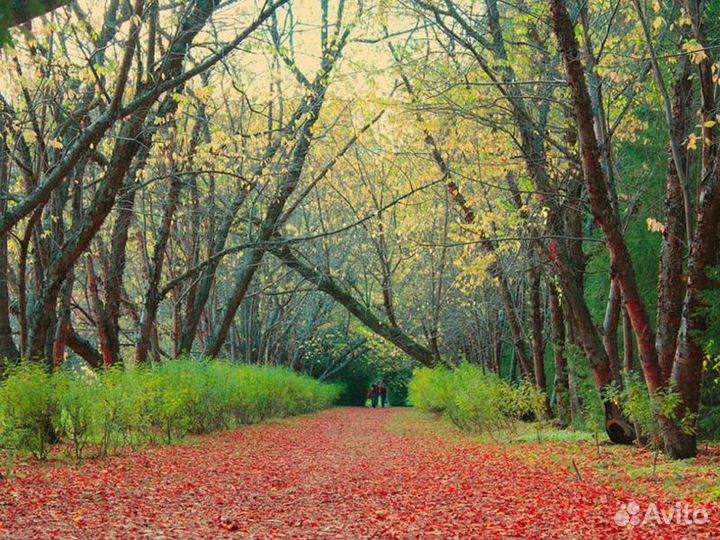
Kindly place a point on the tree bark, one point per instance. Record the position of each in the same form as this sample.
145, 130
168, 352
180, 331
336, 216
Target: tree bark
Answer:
515, 326
97, 310
152, 298
601, 204
603, 211
686, 376
670, 296
562, 393
538, 345
83, 348
611, 323
561, 253
110, 314
628, 344
8, 349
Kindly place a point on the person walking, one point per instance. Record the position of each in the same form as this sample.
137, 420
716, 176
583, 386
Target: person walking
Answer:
373, 395
382, 392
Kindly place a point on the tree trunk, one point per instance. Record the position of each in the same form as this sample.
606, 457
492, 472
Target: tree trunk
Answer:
152, 298
670, 296
83, 348
601, 204
327, 285
538, 346
515, 326
602, 209
110, 314
310, 111
686, 376
628, 344
97, 310
8, 349
611, 324
562, 395
255, 255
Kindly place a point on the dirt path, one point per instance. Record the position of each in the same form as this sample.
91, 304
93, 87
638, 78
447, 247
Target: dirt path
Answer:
344, 473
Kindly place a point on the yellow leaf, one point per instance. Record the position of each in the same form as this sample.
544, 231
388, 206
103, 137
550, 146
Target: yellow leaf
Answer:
696, 51
710, 124
654, 225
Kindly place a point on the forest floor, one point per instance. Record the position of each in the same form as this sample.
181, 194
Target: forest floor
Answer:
361, 473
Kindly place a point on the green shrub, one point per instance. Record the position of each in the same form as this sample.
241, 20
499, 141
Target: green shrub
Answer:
131, 406
77, 401
28, 409
474, 401
431, 389
123, 409
178, 391
642, 411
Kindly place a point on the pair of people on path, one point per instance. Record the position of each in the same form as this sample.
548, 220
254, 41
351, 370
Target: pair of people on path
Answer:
377, 392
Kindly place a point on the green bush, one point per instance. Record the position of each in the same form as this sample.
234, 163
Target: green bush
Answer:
123, 408
76, 398
643, 411
431, 389
28, 409
131, 406
474, 401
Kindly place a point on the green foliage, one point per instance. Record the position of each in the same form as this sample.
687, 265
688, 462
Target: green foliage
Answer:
710, 399
635, 403
77, 401
528, 401
389, 366
124, 413
28, 409
431, 389
710, 421
711, 313
127, 407
376, 361
710, 393
474, 401
592, 413
355, 380
5, 23
643, 411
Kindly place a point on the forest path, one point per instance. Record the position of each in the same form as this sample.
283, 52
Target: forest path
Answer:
343, 473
